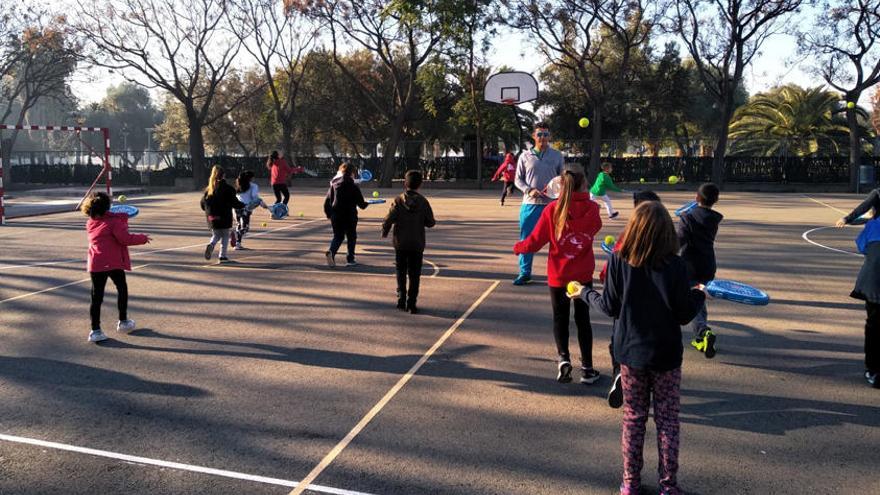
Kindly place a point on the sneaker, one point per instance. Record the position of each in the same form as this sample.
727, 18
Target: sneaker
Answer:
330, 261
351, 263
209, 249
705, 343
97, 336
589, 376
222, 259
401, 304
615, 394
629, 490
614, 215
237, 247
872, 378
125, 326
413, 310
522, 279
564, 375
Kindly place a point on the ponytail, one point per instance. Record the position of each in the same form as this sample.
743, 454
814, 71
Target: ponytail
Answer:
572, 182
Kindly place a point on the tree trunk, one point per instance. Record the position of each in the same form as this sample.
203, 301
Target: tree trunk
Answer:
390, 150
595, 143
721, 145
287, 141
855, 150
197, 154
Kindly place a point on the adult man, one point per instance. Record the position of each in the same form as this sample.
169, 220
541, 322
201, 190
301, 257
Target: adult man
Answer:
534, 170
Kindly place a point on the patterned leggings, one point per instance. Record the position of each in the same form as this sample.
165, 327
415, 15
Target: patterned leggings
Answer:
638, 386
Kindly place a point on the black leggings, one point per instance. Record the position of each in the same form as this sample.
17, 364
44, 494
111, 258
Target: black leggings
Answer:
408, 263
507, 190
244, 223
561, 314
872, 337
281, 190
99, 281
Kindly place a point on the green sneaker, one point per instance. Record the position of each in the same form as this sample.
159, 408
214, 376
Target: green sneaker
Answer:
705, 343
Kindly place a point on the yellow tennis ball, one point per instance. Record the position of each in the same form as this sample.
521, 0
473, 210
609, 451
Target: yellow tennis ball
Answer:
301, 214
573, 287
850, 104
121, 198
609, 240
584, 122
265, 224
642, 180
375, 194
673, 179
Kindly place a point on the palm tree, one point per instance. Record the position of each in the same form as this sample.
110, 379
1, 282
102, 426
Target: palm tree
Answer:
791, 121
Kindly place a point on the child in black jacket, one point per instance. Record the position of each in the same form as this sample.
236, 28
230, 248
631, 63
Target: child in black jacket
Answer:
648, 294
343, 199
697, 229
218, 202
409, 214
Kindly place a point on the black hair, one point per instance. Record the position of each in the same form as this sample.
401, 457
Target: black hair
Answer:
96, 205
413, 179
707, 195
640, 197
243, 183
541, 125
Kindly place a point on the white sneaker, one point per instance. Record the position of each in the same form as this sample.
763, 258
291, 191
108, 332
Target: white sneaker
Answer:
237, 247
97, 336
125, 326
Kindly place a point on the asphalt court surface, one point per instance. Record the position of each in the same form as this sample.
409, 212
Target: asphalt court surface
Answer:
259, 368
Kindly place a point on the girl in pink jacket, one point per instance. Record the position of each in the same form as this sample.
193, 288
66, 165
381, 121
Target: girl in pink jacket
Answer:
108, 258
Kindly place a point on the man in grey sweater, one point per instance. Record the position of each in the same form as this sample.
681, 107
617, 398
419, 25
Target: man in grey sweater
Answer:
535, 169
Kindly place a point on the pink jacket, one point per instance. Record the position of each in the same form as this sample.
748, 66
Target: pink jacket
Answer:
108, 243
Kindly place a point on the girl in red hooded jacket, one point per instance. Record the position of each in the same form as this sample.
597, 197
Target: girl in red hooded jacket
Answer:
507, 173
569, 224
108, 258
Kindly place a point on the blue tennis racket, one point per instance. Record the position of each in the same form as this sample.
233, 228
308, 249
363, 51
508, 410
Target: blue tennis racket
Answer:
279, 211
366, 175
131, 211
737, 292
686, 208
377, 201
608, 249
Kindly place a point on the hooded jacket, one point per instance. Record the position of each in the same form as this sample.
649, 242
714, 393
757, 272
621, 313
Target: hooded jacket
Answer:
507, 169
409, 214
696, 235
108, 243
571, 256
218, 207
343, 199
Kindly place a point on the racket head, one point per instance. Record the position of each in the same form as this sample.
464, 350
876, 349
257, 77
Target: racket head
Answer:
366, 175
686, 208
737, 292
375, 201
131, 211
553, 188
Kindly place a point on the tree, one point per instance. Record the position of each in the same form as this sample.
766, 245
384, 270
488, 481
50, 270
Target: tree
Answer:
722, 38
594, 40
126, 108
279, 41
403, 34
183, 48
789, 121
845, 42
38, 60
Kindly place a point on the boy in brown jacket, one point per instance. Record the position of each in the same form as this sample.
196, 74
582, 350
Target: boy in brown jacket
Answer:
409, 214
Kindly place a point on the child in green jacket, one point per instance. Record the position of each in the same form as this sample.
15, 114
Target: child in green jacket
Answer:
600, 188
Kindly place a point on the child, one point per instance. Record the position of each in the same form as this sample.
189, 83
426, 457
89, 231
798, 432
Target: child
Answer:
602, 185
108, 258
648, 294
569, 224
867, 286
507, 172
409, 214
343, 199
280, 173
249, 194
218, 202
697, 229
615, 393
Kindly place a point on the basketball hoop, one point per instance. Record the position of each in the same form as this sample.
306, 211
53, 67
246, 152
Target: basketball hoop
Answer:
508, 101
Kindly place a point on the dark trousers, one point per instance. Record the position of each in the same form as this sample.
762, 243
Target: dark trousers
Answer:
243, 217
561, 314
409, 263
872, 337
99, 282
507, 190
281, 190
344, 229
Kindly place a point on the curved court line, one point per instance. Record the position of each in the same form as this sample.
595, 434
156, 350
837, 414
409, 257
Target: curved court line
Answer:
806, 237
173, 465
435, 267
334, 453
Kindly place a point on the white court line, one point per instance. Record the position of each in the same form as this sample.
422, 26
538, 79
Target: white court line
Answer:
22, 296
827, 205
435, 267
331, 456
806, 237
135, 254
174, 465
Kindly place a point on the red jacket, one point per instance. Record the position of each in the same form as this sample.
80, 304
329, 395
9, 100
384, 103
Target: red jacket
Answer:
507, 169
280, 171
571, 256
108, 242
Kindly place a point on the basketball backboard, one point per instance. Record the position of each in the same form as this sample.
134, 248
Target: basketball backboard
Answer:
511, 88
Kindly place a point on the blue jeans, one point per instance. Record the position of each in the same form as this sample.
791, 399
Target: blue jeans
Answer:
700, 322
528, 218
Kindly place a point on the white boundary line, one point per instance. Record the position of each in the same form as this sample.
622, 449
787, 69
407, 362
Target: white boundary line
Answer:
174, 465
334, 453
22, 296
806, 237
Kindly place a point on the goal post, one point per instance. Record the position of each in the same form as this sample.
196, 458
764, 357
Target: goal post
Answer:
106, 171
